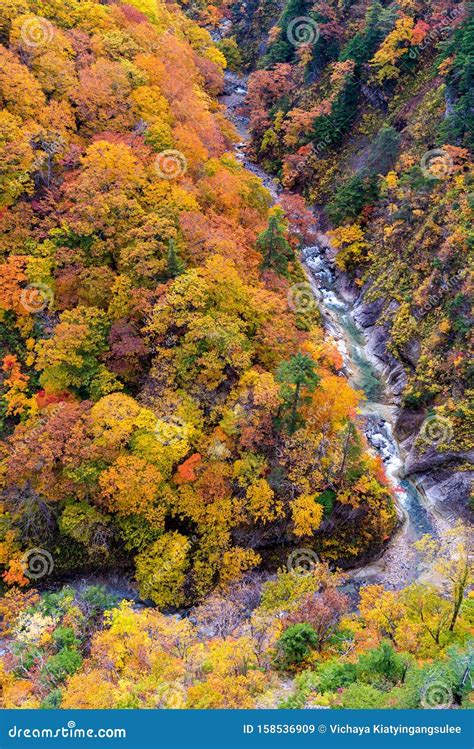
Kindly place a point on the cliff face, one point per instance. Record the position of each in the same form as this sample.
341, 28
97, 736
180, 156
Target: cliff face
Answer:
442, 474
365, 109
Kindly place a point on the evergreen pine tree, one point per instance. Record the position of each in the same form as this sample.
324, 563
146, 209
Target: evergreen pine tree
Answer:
296, 376
175, 265
272, 243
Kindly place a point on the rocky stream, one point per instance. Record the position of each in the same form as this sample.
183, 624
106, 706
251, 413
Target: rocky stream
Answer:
399, 564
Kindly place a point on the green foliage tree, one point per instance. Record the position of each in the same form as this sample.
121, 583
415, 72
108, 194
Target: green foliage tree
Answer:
71, 359
362, 697
381, 665
281, 50
351, 197
175, 266
65, 637
296, 644
378, 22
273, 244
65, 663
458, 127
298, 378
334, 675
330, 129
230, 50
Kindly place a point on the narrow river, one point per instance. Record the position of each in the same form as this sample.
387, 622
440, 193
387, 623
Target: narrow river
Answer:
399, 564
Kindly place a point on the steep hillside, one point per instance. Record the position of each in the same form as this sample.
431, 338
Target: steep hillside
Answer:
366, 109
164, 402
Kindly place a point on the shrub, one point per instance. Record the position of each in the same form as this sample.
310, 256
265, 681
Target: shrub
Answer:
296, 644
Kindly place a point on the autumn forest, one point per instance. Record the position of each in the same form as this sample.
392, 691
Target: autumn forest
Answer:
235, 394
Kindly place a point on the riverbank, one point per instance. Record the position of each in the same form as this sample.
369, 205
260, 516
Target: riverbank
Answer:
399, 564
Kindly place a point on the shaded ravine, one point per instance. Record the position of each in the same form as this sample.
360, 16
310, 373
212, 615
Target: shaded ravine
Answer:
398, 565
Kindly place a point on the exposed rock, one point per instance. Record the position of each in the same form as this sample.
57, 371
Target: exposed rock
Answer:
411, 351
446, 492
420, 462
392, 370
408, 424
366, 315
375, 97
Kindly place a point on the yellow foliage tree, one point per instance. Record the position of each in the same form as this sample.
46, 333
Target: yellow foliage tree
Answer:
307, 515
132, 486
349, 240
161, 570
261, 502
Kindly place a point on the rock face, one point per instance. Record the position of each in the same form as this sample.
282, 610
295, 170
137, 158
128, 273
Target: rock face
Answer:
417, 462
368, 316
378, 337
447, 491
441, 474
